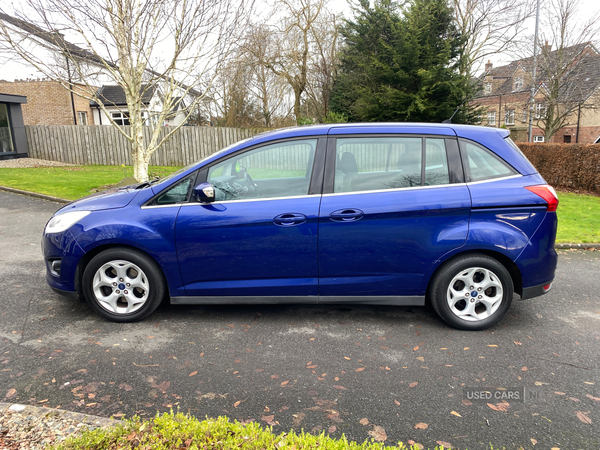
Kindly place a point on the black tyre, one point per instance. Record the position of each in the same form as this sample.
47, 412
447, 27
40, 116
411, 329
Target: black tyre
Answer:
472, 292
123, 285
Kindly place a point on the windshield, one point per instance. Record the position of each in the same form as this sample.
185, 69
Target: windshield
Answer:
189, 166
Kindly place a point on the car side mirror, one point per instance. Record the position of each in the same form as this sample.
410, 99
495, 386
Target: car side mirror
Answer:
205, 193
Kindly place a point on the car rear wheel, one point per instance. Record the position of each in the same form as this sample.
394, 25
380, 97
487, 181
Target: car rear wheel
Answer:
123, 285
472, 292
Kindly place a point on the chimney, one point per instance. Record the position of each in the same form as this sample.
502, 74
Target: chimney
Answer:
546, 48
488, 66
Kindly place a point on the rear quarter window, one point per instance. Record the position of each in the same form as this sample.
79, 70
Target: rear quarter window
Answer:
482, 164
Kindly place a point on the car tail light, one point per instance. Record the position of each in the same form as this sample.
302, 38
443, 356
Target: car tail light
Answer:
548, 193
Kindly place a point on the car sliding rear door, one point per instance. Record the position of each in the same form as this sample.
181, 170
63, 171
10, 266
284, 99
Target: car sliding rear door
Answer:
395, 204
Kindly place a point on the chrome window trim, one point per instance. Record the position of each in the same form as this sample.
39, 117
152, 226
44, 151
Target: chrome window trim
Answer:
249, 200
395, 190
172, 205
494, 179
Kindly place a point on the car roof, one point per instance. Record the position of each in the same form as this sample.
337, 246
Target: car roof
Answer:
381, 127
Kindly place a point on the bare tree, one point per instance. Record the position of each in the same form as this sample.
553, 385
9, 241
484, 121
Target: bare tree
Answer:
324, 64
569, 74
144, 46
268, 88
294, 39
489, 27
231, 102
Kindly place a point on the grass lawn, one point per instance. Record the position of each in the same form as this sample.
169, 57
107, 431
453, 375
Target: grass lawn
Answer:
578, 215
70, 182
578, 218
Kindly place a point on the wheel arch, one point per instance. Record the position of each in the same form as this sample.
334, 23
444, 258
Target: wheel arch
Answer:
509, 264
85, 260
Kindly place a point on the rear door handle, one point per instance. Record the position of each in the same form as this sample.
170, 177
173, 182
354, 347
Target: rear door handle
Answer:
289, 219
346, 215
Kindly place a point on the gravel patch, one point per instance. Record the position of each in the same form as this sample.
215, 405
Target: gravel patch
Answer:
20, 163
32, 428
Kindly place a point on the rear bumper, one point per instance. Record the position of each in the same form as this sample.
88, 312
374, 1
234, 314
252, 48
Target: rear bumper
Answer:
536, 291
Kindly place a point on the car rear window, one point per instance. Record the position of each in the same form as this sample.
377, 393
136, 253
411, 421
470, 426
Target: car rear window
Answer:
368, 164
482, 164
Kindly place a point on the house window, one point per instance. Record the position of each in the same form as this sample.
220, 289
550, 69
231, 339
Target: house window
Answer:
81, 118
487, 88
567, 139
509, 117
518, 83
6, 143
491, 117
540, 110
121, 118
538, 139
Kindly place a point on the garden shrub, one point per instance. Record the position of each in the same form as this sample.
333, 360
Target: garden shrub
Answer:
572, 166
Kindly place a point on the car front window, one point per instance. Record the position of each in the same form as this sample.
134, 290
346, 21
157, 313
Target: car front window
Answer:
277, 170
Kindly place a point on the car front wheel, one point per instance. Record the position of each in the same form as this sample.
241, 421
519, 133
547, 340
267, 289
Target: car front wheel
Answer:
123, 285
472, 292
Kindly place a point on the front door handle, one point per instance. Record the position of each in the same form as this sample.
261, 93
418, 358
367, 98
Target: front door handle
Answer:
289, 219
346, 215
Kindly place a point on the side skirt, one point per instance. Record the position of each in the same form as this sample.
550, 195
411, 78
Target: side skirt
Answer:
392, 300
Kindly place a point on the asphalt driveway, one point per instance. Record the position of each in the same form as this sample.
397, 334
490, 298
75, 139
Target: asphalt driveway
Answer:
394, 374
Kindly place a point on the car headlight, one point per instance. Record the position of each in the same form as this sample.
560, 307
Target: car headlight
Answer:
63, 221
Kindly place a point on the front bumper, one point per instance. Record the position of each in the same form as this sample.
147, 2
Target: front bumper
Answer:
61, 247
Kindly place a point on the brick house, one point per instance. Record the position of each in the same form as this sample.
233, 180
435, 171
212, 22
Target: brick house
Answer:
49, 103
115, 103
506, 91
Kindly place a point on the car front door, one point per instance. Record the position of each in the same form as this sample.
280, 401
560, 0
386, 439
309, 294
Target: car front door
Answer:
258, 239
392, 206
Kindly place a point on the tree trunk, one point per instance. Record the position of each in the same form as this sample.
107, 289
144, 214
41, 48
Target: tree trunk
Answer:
140, 160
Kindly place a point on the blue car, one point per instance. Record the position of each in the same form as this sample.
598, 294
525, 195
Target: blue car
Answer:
381, 214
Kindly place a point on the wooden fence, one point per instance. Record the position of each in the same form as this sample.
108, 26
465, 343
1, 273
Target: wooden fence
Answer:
100, 144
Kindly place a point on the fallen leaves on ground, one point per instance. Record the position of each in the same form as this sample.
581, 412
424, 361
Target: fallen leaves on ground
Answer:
360, 369
454, 413
421, 426
502, 407
444, 444
378, 433
364, 421
413, 384
11, 393
596, 399
193, 373
397, 402
342, 388
583, 416
533, 441
268, 419
332, 429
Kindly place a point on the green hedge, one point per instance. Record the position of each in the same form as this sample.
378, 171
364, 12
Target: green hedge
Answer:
572, 166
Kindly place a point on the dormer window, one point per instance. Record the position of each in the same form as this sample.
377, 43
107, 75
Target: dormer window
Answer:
487, 88
518, 83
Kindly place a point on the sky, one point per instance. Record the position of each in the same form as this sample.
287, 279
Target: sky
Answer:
587, 9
